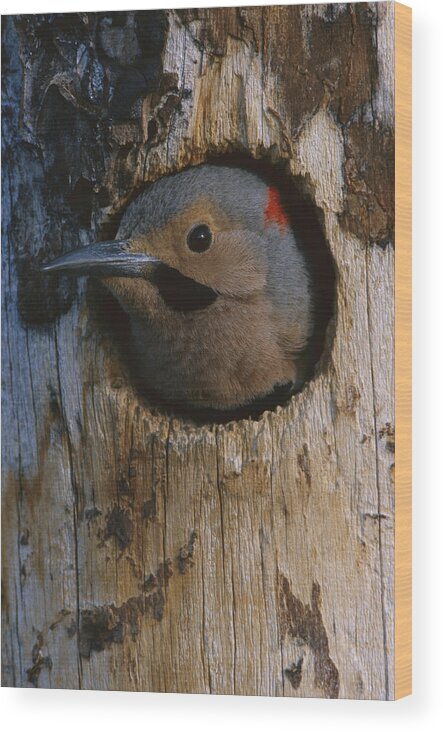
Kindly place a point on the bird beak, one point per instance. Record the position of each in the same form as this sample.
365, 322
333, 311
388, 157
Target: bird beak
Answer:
104, 259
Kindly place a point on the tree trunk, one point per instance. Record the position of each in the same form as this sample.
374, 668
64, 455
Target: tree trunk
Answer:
142, 551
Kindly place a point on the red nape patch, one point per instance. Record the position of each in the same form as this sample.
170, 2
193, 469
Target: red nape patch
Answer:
274, 210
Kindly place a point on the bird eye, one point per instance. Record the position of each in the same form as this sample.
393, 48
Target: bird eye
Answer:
199, 238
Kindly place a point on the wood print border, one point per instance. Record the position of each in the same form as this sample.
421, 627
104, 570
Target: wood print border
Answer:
403, 350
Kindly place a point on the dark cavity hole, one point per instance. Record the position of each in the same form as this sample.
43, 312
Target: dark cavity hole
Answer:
307, 222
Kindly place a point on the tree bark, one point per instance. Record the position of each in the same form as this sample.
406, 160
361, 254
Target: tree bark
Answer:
142, 551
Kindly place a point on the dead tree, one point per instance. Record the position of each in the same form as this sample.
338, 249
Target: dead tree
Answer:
143, 551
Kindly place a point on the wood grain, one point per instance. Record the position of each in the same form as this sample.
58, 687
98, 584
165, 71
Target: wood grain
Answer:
142, 551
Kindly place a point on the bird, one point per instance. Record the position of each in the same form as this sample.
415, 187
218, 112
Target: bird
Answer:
215, 286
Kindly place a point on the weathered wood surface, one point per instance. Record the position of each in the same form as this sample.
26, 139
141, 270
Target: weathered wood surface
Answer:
141, 552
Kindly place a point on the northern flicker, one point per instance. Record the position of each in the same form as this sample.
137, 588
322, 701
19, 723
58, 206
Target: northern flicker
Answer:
215, 286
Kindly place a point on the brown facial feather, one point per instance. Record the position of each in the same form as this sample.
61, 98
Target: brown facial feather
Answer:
234, 263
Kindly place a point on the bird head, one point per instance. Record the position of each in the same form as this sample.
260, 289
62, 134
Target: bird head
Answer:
213, 239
